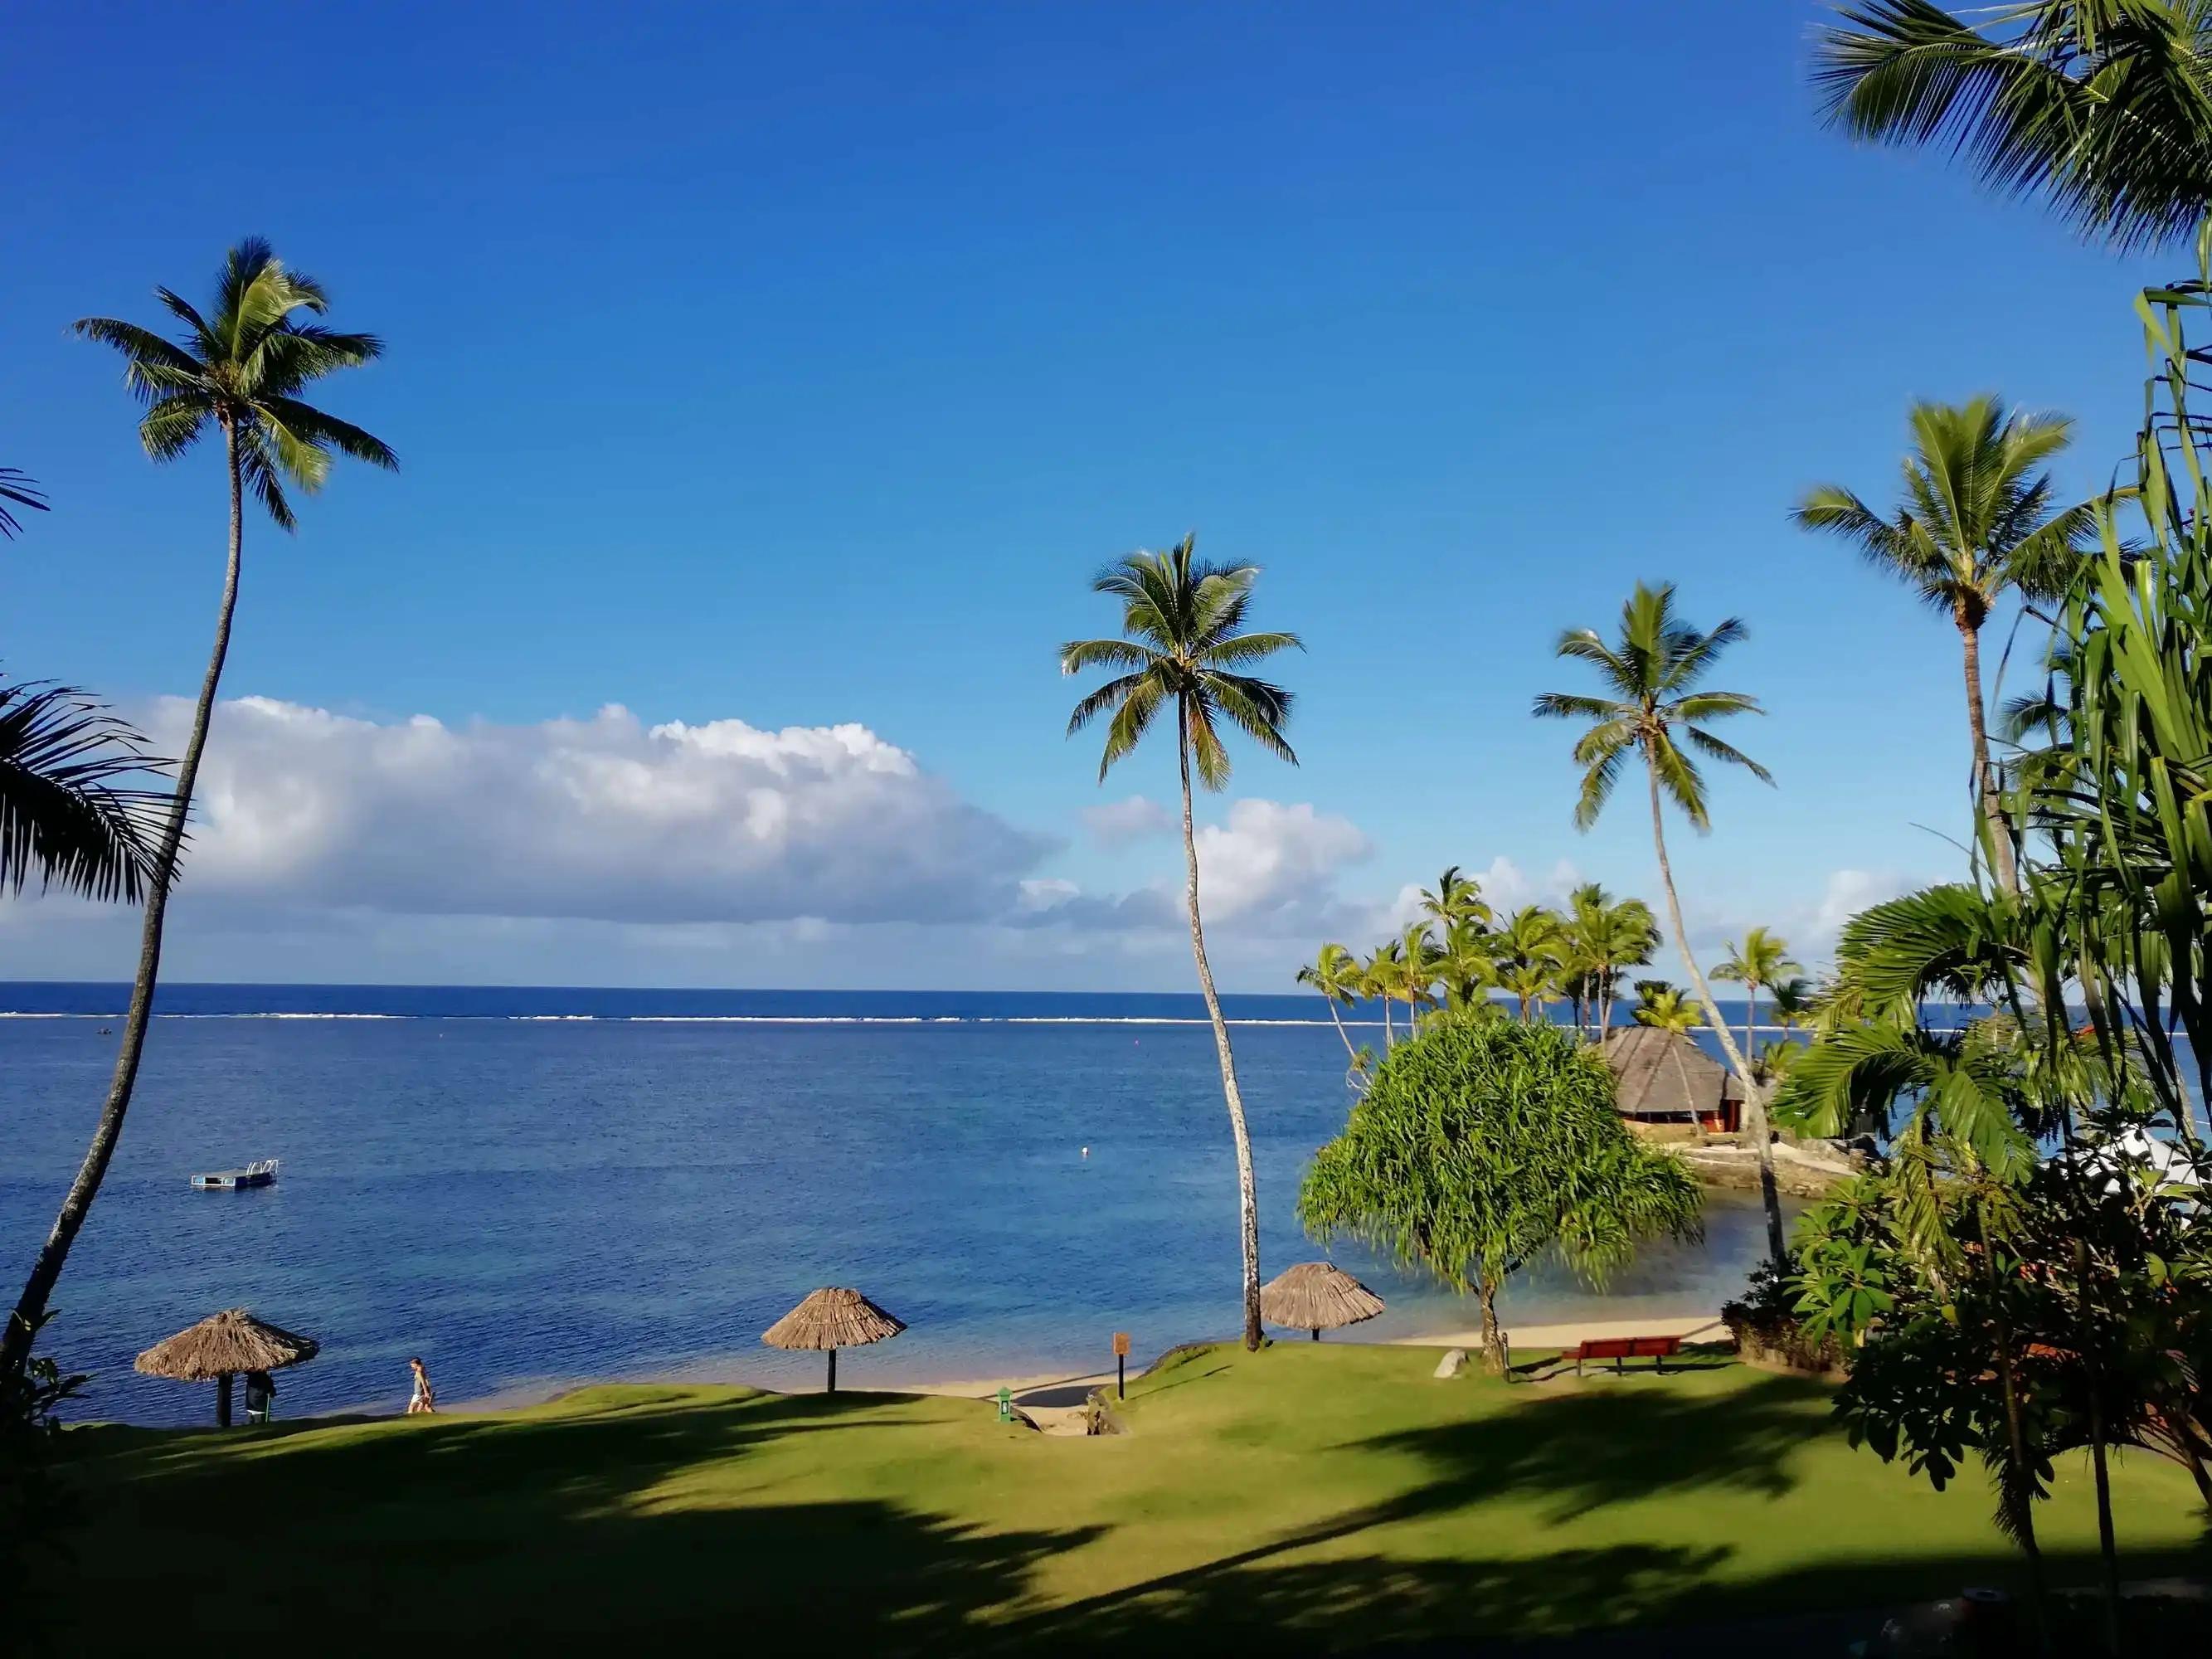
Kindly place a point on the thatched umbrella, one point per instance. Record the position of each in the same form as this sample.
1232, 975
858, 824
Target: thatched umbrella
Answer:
832, 1319
1317, 1297
219, 1348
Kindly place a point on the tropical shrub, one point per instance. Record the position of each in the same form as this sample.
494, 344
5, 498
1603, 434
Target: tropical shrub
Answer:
1482, 1145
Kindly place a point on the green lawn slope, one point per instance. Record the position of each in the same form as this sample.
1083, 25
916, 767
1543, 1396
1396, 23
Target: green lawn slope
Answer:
1309, 1496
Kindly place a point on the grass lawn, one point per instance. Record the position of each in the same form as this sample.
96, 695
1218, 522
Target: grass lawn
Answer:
1313, 1495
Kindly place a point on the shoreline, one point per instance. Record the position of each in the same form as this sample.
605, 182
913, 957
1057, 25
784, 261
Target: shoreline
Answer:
1057, 1394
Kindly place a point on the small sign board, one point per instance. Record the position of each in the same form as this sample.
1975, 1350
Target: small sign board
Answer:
1121, 1344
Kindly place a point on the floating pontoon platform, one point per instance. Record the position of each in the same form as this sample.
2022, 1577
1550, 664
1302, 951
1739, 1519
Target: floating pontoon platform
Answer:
262, 1173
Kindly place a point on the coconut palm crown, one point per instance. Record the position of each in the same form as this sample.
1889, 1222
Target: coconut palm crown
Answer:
241, 370
1180, 652
1975, 520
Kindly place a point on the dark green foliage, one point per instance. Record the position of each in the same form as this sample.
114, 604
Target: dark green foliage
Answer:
64, 815
37, 1506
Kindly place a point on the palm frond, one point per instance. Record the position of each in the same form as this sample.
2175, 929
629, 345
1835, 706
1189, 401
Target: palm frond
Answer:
17, 487
64, 815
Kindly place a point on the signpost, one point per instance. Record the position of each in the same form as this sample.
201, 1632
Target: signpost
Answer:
1121, 1365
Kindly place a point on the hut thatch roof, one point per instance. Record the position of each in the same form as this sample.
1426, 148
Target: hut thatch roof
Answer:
1315, 1296
832, 1318
231, 1341
1662, 1074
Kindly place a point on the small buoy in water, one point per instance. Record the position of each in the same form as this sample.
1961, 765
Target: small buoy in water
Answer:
1086, 1152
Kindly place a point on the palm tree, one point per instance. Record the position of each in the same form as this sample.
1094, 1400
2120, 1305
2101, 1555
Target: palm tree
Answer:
1469, 967
17, 488
2102, 106
240, 373
1761, 961
1420, 964
62, 813
1650, 676
1379, 978
1527, 952
1605, 939
1180, 648
1335, 974
1664, 1007
1455, 899
1976, 523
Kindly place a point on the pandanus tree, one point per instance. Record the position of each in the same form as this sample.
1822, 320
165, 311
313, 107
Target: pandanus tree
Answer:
1975, 523
1483, 1145
238, 372
1182, 650
1653, 711
2101, 108
1335, 974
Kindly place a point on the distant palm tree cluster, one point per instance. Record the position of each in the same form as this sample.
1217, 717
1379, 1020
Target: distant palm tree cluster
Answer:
1460, 954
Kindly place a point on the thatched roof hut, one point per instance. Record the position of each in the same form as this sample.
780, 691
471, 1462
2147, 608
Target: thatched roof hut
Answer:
1663, 1077
1317, 1297
829, 1319
222, 1345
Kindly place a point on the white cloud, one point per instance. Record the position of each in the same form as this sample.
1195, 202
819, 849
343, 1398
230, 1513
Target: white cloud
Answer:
603, 819
1269, 857
1118, 822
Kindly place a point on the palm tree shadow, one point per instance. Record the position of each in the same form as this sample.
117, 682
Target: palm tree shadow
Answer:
548, 1534
1586, 1450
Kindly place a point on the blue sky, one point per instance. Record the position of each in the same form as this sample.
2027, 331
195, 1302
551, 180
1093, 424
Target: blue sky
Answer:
798, 366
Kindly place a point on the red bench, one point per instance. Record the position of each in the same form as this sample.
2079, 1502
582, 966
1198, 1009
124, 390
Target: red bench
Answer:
1619, 1349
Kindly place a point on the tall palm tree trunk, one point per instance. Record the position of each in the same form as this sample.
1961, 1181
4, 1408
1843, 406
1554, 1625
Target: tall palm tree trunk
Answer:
1343, 1036
1989, 804
1247, 1190
1754, 1102
1751, 1019
1389, 1037
31, 1307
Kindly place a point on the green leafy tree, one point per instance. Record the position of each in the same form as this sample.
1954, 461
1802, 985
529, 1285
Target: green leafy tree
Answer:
70, 811
1335, 974
1760, 963
1181, 648
1653, 711
239, 372
2101, 108
1977, 522
1482, 1145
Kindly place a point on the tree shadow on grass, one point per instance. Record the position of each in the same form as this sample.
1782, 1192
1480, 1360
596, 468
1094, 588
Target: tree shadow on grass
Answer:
634, 1522
1586, 1449
1625, 1601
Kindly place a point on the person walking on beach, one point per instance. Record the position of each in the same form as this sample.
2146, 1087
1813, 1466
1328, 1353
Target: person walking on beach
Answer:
424, 1399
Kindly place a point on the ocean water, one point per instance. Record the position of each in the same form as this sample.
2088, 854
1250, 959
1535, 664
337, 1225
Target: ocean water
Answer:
530, 1188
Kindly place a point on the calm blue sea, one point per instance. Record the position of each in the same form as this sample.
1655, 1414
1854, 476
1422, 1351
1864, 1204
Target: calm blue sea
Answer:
529, 1186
